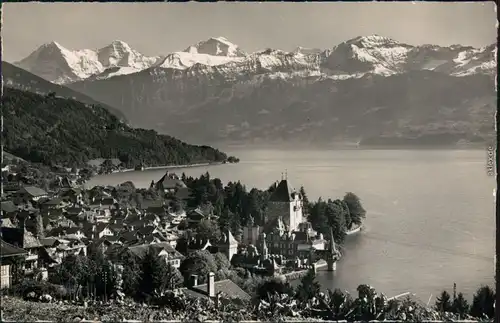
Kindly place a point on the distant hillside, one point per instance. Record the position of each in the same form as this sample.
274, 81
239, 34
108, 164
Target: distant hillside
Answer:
18, 78
54, 130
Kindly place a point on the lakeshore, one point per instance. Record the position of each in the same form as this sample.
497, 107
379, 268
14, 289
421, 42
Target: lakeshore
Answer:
167, 167
201, 183
395, 228
149, 169
354, 230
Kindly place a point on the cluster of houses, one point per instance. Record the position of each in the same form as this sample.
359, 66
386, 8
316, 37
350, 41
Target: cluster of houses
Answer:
44, 227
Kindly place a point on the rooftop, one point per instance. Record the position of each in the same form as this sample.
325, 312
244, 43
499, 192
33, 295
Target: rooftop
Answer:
8, 207
169, 181
141, 250
283, 192
33, 191
8, 250
225, 287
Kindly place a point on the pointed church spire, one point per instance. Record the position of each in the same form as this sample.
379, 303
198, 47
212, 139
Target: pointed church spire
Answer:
332, 241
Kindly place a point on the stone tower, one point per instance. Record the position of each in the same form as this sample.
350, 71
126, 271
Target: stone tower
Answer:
285, 202
229, 245
332, 253
263, 250
251, 232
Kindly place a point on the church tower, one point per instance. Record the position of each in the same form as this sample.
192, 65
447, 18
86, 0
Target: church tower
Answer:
332, 253
229, 245
264, 251
285, 202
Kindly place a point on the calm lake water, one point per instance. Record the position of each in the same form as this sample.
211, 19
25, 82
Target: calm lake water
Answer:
430, 219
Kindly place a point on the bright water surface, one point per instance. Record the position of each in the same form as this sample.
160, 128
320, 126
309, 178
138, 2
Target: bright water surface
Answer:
430, 219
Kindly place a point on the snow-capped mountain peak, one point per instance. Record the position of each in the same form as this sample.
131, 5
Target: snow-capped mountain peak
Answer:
373, 54
120, 54
184, 60
119, 44
372, 41
368, 54
58, 64
216, 46
307, 51
53, 44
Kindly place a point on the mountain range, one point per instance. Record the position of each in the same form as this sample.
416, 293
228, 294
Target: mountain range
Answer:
17, 78
369, 89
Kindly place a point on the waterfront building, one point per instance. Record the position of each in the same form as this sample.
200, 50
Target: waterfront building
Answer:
284, 212
295, 244
286, 204
170, 185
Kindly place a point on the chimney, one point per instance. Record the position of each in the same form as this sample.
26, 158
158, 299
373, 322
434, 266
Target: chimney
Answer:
211, 284
194, 281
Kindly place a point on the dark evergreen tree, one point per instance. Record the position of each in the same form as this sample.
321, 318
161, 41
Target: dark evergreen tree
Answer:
308, 288
443, 302
271, 287
336, 214
131, 275
154, 270
339, 303
483, 303
173, 278
318, 217
460, 305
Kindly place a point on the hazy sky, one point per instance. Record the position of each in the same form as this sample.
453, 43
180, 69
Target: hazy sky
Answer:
161, 28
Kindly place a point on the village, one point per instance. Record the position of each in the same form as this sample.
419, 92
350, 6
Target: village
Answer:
121, 252
44, 227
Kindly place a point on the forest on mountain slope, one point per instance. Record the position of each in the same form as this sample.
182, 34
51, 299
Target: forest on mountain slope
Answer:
54, 130
18, 78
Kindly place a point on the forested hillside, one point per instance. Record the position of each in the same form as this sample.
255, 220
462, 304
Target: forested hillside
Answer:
54, 130
17, 78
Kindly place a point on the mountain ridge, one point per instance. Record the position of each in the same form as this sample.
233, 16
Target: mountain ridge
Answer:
369, 89
374, 54
59, 65
18, 78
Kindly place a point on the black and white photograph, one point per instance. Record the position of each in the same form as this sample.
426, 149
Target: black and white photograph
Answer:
248, 161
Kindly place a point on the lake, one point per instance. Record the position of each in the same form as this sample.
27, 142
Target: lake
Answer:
430, 213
